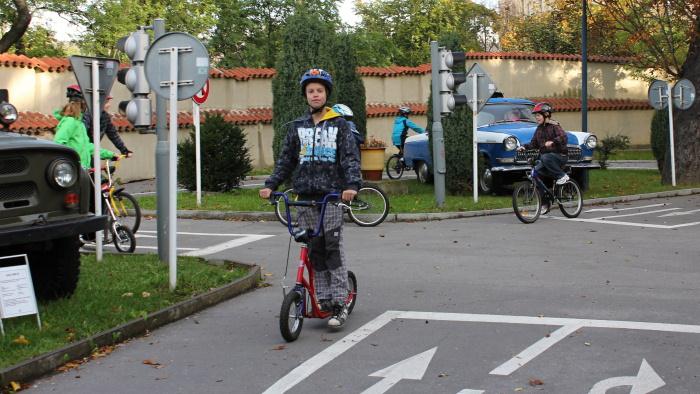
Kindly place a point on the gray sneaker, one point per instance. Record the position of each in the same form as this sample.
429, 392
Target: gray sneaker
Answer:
340, 314
562, 180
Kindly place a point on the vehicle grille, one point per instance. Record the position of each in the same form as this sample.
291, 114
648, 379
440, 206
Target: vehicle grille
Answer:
13, 165
16, 195
574, 155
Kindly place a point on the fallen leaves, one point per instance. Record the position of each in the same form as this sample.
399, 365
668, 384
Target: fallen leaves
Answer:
21, 340
145, 294
15, 386
535, 382
129, 294
152, 363
279, 347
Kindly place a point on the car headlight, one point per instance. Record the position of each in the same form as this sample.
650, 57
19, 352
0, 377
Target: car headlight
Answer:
591, 141
510, 143
8, 113
62, 173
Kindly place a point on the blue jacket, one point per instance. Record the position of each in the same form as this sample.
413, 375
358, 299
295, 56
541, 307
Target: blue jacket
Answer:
401, 126
321, 158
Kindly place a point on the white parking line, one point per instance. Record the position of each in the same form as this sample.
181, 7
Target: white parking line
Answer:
623, 209
311, 365
637, 214
228, 245
645, 225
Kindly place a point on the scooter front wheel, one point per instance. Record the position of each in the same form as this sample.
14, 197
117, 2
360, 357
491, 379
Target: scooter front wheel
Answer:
291, 316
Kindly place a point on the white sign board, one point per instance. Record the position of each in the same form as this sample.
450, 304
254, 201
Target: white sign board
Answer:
16, 290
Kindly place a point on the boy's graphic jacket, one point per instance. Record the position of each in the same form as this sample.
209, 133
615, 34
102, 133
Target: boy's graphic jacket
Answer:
321, 158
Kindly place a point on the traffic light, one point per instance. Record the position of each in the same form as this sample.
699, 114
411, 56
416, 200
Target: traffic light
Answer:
449, 81
138, 109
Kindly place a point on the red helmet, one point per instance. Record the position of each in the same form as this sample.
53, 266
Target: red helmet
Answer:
73, 93
543, 108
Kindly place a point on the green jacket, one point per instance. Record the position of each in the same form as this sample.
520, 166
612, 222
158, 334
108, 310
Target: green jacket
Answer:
71, 132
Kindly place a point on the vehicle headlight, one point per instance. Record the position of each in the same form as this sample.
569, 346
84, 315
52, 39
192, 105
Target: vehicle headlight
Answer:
8, 113
591, 141
510, 143
62, 173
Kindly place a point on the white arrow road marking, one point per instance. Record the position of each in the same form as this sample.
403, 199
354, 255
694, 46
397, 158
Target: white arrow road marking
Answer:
623, 209
411, 368
228, 245
646, 381
637, 214
680, 213
534, 350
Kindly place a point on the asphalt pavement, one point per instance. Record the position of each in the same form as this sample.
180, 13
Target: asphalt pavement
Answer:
479, 305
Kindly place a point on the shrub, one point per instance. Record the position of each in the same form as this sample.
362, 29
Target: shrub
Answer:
609, 145
225, 158
659, 137
348, 82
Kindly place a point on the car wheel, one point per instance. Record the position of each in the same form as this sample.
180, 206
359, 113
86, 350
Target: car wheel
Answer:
55, 271
423, 173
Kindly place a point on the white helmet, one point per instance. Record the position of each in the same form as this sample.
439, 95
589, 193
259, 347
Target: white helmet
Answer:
404, 110
343, 110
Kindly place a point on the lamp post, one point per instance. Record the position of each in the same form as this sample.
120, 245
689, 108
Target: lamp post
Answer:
584, 67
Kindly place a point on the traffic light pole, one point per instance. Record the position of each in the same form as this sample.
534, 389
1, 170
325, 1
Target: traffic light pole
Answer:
96, 164
436, 129
162, 154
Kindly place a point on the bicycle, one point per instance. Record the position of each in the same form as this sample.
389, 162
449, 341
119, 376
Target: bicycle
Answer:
301, 302
533, 198
369, 208
396, 166
115, 232
125, 206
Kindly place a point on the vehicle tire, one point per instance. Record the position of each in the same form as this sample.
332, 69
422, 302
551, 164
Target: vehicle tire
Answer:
369, 207
526, 202
570, 199
123, 239
280, 210
55, 271
489, 182
352, 292
581, 176
291, 316
128, 210
394, 167
423, 173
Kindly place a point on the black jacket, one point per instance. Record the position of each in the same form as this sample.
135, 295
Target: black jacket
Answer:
106, 127
321, 159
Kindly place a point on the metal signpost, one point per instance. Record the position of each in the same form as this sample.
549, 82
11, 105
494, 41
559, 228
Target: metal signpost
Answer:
682, 96
197, 100
481, 87
177, 67
91, 81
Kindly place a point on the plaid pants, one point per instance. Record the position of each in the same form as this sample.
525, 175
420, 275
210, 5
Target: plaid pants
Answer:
326, 252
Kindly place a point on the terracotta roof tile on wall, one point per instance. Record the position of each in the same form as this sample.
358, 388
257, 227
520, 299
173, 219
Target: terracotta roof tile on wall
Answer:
10, 60
242, 73
379, 110
545, 56
393, 71
57, 64
33, 123
574, 104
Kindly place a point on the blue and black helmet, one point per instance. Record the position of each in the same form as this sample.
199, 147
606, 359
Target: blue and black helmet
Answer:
316, 75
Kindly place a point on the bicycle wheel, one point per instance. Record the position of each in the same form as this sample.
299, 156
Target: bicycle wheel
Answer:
369, 207
281, 212
127, 210
526, 202
570, 199
352, 292
394, 167
123, 238
291, 316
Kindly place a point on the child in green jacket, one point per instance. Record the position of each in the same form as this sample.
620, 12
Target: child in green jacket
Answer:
71, 132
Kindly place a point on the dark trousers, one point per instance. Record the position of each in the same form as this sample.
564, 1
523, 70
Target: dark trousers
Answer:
551, 164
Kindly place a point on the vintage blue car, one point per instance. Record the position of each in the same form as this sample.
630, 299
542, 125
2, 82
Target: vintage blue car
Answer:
504, 124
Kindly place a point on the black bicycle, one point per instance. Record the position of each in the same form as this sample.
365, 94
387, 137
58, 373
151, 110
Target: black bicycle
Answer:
396, 166
369, 207
533, 198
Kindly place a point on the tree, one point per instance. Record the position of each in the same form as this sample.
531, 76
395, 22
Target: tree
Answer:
305, 44
412, 24
248, 32
664, 35
39, 42
348, 83
374, 48
21, 17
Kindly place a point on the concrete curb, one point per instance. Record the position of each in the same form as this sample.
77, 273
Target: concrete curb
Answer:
48, 362
419, 217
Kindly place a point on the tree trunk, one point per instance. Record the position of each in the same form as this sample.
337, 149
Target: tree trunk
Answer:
686, 124
19, 26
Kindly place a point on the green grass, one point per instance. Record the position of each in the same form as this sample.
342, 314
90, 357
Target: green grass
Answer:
115, 291
413, 197
637, 154
261, 171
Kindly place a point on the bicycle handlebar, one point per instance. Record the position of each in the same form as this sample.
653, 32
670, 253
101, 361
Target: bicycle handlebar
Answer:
323, 203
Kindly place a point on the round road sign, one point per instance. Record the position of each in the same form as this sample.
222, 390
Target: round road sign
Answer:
658, 94
683, 94
203, 94
192, 65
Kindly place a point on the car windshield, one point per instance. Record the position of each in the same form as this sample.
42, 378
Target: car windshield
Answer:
502, 113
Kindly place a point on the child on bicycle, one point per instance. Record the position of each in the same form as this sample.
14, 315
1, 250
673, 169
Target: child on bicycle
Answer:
321, 154
401, 126
551, 141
